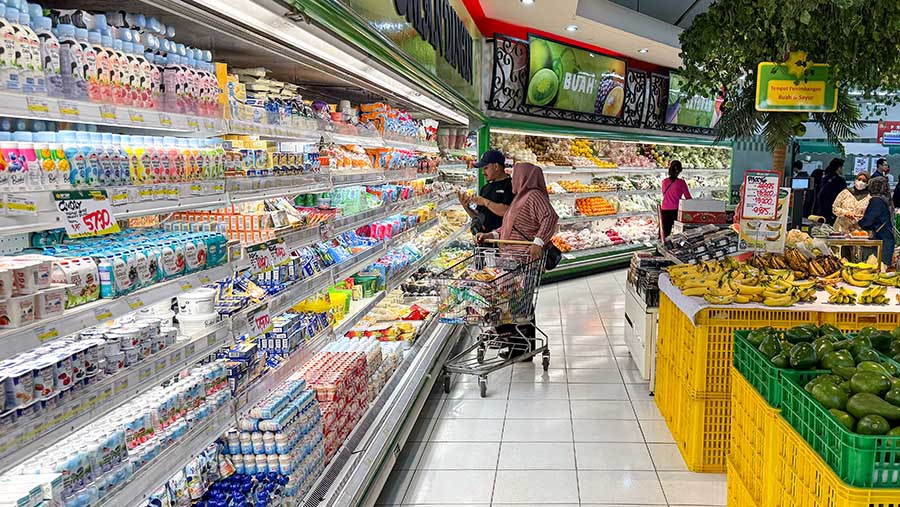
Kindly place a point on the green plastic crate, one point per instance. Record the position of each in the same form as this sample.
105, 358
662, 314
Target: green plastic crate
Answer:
859, 460
762, 374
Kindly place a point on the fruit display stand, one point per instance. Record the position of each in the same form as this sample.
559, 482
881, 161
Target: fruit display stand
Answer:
695, 349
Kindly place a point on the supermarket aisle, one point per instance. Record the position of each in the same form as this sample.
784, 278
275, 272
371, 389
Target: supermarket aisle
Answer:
586, 432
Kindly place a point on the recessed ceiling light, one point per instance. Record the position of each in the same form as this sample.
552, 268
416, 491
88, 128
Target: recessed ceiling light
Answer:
643, 50
527, 2
571, 28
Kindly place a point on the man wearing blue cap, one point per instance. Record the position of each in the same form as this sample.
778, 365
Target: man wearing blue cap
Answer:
495, 196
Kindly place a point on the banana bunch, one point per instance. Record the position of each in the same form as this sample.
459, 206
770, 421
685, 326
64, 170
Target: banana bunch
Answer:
841, 295
859, 274
875, 295
720, 295
770, 261
824, 266
781, 292
887, 279
798, 262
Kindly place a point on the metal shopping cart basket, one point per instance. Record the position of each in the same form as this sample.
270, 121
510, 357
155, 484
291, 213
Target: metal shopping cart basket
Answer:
494, 293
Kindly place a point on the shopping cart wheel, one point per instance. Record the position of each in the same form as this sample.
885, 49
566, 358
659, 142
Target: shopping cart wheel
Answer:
482, 386
447, 382
546, 361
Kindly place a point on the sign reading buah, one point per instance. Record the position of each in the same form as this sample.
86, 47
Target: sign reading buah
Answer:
441, 27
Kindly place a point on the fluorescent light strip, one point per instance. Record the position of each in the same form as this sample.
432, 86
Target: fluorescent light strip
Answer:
530, 133
282, 29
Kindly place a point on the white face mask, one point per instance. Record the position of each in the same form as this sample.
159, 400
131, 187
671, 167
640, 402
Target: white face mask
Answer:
860, 184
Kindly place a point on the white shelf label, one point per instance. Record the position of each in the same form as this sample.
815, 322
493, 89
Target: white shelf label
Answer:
108, 112
69, 109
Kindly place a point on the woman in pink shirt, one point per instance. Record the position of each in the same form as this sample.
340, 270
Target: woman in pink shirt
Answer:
673, 190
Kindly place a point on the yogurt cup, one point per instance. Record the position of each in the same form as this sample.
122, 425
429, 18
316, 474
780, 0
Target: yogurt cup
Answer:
199, 301
132, 356
91, 357
191, 325
6, 283
19, 386
112, 344
114, 363
17, 311
45, 378
65, 373
50, 302
130, 337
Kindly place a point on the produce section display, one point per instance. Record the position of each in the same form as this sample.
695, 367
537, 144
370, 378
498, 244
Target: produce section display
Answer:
584, 153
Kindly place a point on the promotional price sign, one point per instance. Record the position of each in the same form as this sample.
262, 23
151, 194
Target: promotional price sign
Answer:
261, 259
767, 235
889, 132
279, 252
760, 199
259, 322
86, 213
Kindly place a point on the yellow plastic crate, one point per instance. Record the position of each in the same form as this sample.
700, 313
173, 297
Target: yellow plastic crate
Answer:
699, 423
854, 321
797, 477
738, 494
752, 426
702, 354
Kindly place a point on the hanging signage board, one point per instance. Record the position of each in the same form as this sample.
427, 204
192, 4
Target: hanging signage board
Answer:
760, 198
86, 213
889, 132
767, 236
780, 89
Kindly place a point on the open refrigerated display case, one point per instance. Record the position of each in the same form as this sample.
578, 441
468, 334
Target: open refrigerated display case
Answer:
607, 191
237, 237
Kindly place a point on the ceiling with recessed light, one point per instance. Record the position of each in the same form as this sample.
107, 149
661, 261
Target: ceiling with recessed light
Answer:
623, 26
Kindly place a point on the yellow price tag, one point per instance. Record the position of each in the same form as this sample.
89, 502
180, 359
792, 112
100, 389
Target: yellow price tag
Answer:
136, 117
135, 303
194, 124
37, 105
68, 109
108, 112
45, 333
165, 120
103, 314
186, 286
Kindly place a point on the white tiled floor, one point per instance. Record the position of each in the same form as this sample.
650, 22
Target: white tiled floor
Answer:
586, 432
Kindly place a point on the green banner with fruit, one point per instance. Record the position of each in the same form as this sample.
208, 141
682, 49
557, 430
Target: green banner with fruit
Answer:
574, 79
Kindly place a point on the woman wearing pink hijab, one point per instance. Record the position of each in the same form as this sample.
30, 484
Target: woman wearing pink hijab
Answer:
530, 216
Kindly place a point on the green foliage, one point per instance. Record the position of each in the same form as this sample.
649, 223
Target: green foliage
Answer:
723, 47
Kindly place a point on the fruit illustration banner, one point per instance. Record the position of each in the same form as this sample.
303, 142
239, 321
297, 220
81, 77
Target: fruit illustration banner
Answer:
784, 87
691, 111
574, 79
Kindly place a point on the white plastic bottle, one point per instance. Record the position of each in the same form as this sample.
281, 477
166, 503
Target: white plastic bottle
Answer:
99, 80
89, 62
10, 73
49, 57
30, 57
119, 86
71, 59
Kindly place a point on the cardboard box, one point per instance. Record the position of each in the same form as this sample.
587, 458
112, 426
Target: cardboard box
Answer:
702, 217
710, 205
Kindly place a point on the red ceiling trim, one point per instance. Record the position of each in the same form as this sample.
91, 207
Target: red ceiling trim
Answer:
489, 27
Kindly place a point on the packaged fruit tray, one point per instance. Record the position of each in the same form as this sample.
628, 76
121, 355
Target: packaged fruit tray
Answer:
865, 461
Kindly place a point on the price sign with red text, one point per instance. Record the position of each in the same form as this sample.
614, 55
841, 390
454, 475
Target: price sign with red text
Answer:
260, 257
86, 213
760, 197
259, 322
279, 251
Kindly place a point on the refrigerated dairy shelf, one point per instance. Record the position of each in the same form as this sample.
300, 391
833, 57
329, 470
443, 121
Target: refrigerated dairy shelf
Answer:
22, 339
33, 434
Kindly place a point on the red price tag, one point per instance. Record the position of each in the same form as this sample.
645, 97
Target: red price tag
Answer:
260, 258
259, 322
279, 252
97, 220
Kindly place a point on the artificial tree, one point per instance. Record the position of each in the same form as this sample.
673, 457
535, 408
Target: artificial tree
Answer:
723, 46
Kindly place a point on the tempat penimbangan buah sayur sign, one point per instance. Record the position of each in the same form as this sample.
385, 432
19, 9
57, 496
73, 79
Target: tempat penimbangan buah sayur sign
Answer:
797, 85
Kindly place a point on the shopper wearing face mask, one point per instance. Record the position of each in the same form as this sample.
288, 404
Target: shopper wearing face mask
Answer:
850, 205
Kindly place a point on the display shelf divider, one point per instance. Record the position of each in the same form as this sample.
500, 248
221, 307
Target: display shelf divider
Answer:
22, 339
357, 313
579, 219
32, 435
363, 259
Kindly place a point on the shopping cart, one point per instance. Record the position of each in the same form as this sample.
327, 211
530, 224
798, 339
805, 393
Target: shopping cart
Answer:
494, 293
